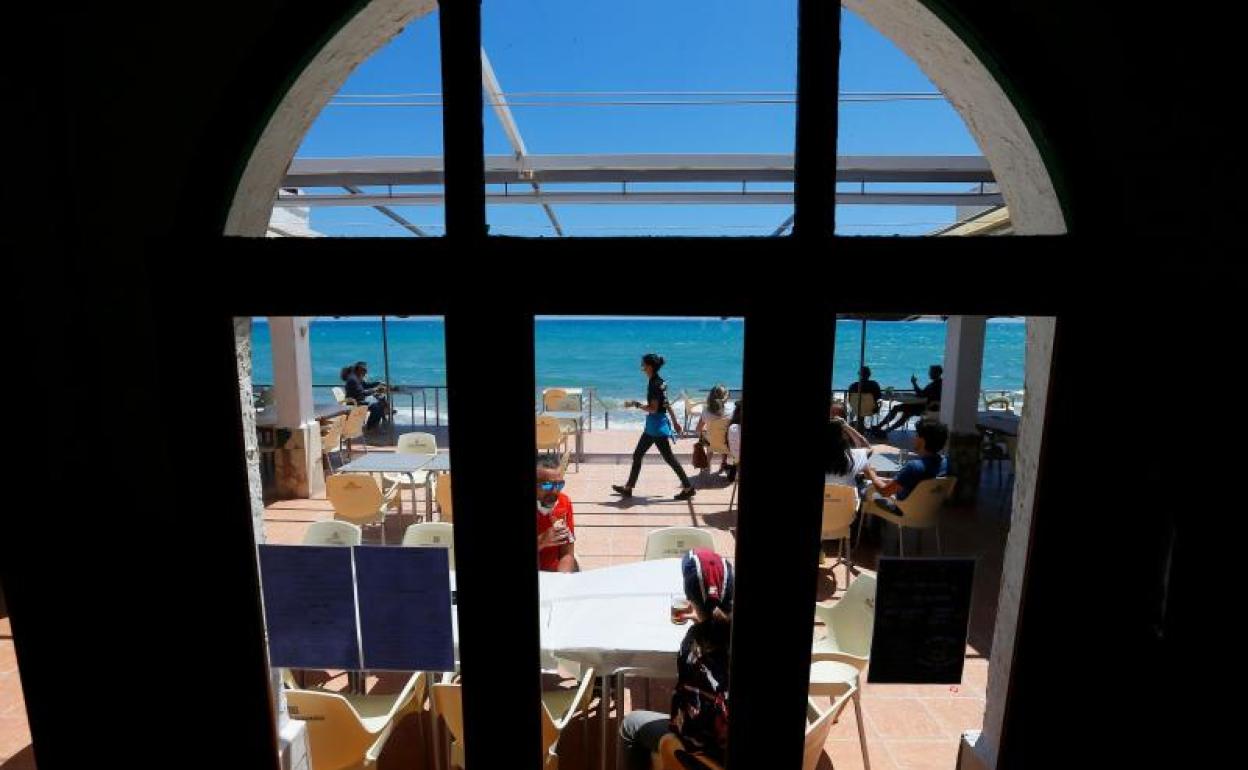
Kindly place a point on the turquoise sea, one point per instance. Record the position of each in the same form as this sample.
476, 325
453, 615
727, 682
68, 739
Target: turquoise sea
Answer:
605, 353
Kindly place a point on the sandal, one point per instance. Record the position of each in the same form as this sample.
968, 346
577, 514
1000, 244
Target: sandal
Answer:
685, 494
625, 491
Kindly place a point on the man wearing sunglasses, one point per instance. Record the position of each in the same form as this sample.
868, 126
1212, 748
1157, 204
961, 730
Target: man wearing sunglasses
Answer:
556, 533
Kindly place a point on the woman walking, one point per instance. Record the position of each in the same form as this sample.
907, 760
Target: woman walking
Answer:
658, 432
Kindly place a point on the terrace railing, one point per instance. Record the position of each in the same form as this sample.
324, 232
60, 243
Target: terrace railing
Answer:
429, 395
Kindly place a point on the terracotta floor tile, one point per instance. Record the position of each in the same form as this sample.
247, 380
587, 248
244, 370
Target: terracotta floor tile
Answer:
924, 754
847, 755
14, 735
956, 715
900, 718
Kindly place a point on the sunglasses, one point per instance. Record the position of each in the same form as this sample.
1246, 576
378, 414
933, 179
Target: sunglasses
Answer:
551, 486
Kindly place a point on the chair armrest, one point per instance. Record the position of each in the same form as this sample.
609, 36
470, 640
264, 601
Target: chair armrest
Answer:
374, 752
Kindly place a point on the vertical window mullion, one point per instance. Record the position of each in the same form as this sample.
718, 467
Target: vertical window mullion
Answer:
818, 75
463, 132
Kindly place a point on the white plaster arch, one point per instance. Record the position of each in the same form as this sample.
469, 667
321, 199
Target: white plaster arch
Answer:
942, 55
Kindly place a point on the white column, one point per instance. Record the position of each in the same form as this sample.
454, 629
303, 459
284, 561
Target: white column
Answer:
292, 370
298, 457
964, 366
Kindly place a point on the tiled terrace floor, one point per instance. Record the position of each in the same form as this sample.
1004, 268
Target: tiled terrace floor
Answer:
908, 726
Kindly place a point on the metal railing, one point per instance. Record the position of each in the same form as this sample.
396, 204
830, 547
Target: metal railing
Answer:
396, 389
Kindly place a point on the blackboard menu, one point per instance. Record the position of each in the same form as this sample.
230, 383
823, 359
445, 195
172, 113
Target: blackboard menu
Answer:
309, 606
922, 608
405, 608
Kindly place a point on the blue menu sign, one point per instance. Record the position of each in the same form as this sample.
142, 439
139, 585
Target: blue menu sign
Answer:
922, 610
405, 608
309, 606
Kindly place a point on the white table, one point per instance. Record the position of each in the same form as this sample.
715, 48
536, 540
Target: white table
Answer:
407, 463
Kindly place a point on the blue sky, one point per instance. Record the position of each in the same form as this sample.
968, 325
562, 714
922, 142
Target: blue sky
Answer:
566, 45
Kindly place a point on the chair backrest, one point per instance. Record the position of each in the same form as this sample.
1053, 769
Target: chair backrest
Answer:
417, 444
443, 495
861, 403
354, 496
549, 433
923, 503
337, 739
339, 394
331, 436
553, 724
851, 621
432, 534
819, 726
332, 533
559, 400
717, 434
840, 503
672, 542
448, 704
354, 425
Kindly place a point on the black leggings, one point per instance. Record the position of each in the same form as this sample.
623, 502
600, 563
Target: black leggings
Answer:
665, 448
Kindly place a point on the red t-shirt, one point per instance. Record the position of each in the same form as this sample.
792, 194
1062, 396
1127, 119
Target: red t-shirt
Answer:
548, 558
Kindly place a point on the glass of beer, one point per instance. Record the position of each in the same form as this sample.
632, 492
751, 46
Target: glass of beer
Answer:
561, 525
682, 609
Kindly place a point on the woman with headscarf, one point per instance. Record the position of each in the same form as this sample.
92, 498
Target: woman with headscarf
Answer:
698, 721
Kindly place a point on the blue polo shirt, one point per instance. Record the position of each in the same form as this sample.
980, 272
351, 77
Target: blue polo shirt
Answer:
919, 469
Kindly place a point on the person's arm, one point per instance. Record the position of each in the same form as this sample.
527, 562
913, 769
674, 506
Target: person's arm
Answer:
671, 414
914, 382
885, 487
567, 557
550, 538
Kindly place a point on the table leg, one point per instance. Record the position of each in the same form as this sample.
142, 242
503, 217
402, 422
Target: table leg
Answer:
619, 717
411, 479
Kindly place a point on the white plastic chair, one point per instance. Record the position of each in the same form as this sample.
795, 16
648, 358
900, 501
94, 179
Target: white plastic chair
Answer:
416, 444
339, 395
837, 660
348, 732
358, 499
672, 542
693, 408
920, 510
840, 505
432, 534
860, 404
333, 533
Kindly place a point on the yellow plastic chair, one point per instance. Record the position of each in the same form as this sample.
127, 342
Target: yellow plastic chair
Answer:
353, 428
333, 533
840, 505
818, 727
348, 732
331, 441
432, 534
559, 707
551, 438
837, 660
560, 400
358, 499
860, 404
672, 542
920, 510
443, 496
716, 432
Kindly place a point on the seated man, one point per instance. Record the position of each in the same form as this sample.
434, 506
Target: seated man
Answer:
868, 385
370, 393
929, 440
556, 532
913, 408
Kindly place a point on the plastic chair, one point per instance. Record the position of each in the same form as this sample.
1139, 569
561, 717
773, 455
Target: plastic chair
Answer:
560, 400
432, 534
358, 499
672, 542
353, 428
837, 660
331, 441
443, 497
692, 408
551, 438
716, 432
920, 510
339, 395
861, 405
840, 505
559, 707
818, 727
417, 444
346, 732
333, 533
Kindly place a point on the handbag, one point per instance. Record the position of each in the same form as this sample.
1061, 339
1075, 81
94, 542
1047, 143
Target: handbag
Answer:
700, 460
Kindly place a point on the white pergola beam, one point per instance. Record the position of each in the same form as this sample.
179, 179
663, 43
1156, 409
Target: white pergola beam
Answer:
708, 197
